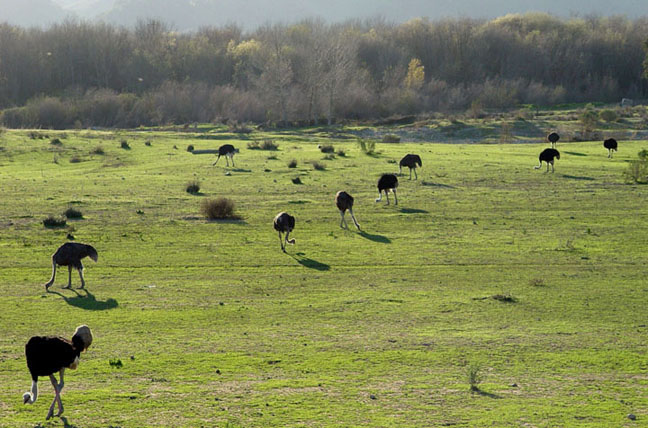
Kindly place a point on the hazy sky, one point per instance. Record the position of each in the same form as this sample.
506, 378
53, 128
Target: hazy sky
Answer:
190, 14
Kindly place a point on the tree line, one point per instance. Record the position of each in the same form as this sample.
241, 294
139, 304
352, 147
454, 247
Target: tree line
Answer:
96, 74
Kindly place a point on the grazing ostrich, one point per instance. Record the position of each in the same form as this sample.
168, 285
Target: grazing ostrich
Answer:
610, 144
344, 202
553, 139
228, 151
70, 255
284, 222
386, 183
548, 156
47, 355
410, 161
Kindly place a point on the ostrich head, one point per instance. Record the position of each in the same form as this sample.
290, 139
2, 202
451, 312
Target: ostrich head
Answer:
92, 253
82, 338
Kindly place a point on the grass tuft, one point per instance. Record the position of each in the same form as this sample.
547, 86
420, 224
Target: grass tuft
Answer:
193, 187
54, 222
73, 213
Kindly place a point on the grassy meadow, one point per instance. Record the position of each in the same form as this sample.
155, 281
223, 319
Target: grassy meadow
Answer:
534, 284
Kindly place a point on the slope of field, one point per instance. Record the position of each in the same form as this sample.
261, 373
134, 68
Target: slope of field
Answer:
214, 326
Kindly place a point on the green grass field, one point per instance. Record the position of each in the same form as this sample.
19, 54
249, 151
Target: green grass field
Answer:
215, 326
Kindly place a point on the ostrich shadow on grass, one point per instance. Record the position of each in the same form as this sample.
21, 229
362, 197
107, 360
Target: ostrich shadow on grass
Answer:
87, 301
413, 211
574, 153
310, 263
578, 177
374, 237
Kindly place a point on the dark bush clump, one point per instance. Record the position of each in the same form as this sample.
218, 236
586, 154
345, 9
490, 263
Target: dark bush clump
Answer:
193, 187
75, 159
327, 148
190, 148
98, 151
73, 213
292, 164
318, 166
219, 209
341, 153
391, 138
265, 145
125, 145
147, 143
52, 221
56, 142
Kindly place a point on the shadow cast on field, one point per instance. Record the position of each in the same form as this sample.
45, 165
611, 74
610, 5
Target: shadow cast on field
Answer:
310, 263
575, 153
485, 394
577, 177
375, 238
88, 301
241, 170
441, 185
413, 211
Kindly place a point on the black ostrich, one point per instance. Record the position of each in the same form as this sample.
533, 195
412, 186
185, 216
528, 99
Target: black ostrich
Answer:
284, 223
344, 202
548, 156
553, 139
386, 183
47, 355
610, 144
410, 161
70, 255
228, 151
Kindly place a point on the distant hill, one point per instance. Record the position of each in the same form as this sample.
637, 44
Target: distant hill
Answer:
187, 15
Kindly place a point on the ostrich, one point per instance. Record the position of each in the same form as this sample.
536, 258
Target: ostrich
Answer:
553, 139
284, 222
386, 183
70, 255
228, 151
548, 156
610, 144
410, 161
344, 202
47, 355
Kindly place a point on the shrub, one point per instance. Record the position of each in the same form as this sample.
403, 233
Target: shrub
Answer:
609, 115
292, 164
239, 128
341, 153
329, 156
219, 209
367, 147
637, 171
268, 145
147, 143
538, 282
474, 376
265, 145
75, 159
52, 221
98, 151
391, 138
71, 213
125, 145
56, 142
318, 166
327, 148
190, 148
272, 157
193, 187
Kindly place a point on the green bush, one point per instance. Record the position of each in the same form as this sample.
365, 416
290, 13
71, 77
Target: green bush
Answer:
367, 147
609, 115
52, 222
391, 138
193, 187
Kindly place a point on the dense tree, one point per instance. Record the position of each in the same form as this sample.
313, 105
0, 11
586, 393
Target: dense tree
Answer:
99, 74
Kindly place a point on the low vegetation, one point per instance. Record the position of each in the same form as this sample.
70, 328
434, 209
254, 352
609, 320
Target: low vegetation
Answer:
219, 209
